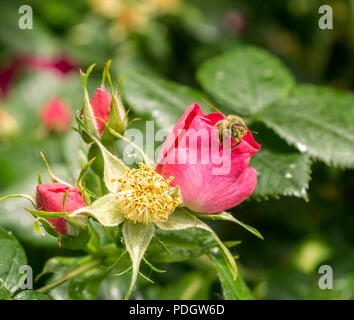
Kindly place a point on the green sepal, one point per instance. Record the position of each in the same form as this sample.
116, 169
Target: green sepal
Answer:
78, 233
88, 114
76, 242
225, 216
52, 176
113, 167
80, 181
95, 152
29, 197
105, 210
137, 237
115, 121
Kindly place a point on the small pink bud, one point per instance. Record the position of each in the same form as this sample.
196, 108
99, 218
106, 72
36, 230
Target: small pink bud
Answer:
49, 197
234, 22
56, 116
10, 70
101, 105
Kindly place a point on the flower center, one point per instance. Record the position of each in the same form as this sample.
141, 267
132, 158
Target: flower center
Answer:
145, 196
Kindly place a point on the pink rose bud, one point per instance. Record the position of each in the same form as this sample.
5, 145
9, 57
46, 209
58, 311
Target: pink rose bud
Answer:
49, 197
56, 116
201, 189
234, 22
62, 64
101, 105
10, 70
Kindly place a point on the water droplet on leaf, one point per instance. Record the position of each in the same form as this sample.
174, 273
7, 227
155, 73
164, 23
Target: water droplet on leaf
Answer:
288, 175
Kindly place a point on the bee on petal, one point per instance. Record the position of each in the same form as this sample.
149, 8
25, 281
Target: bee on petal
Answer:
233, 125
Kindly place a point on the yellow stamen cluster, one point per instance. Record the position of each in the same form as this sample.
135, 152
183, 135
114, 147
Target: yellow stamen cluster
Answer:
145, 196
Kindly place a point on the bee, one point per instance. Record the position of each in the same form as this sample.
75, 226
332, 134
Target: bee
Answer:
233, 125
230, 124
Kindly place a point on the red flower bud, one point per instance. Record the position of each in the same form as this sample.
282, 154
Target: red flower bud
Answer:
56, 116
49, 197
11, 69
101, 105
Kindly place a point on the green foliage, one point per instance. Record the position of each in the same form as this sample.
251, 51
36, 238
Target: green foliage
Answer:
317, 120
73, 278
233, 289
192, 285
286, 174
32, 295
158, 99
86, 286
246, 79
12, 258
182, 245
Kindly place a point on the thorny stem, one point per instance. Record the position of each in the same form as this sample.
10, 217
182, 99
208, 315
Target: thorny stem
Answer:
70, 275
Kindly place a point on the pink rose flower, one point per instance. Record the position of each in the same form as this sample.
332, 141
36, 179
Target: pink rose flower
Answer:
201, 189
49, 197
56, 116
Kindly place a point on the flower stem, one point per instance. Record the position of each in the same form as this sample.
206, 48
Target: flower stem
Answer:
70, 275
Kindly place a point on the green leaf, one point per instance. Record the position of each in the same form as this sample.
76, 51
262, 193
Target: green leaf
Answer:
137, 237
166, 101
105, 209
286, 174
316, 120
228, 217
63, 269
4, 293
59, 266
233, 289
114, 288
87, 285
181, 219
191, 286
32, 295
246, 79
12, 257
183, 245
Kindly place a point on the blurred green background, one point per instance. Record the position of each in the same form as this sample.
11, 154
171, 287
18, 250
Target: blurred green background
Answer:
171, 39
